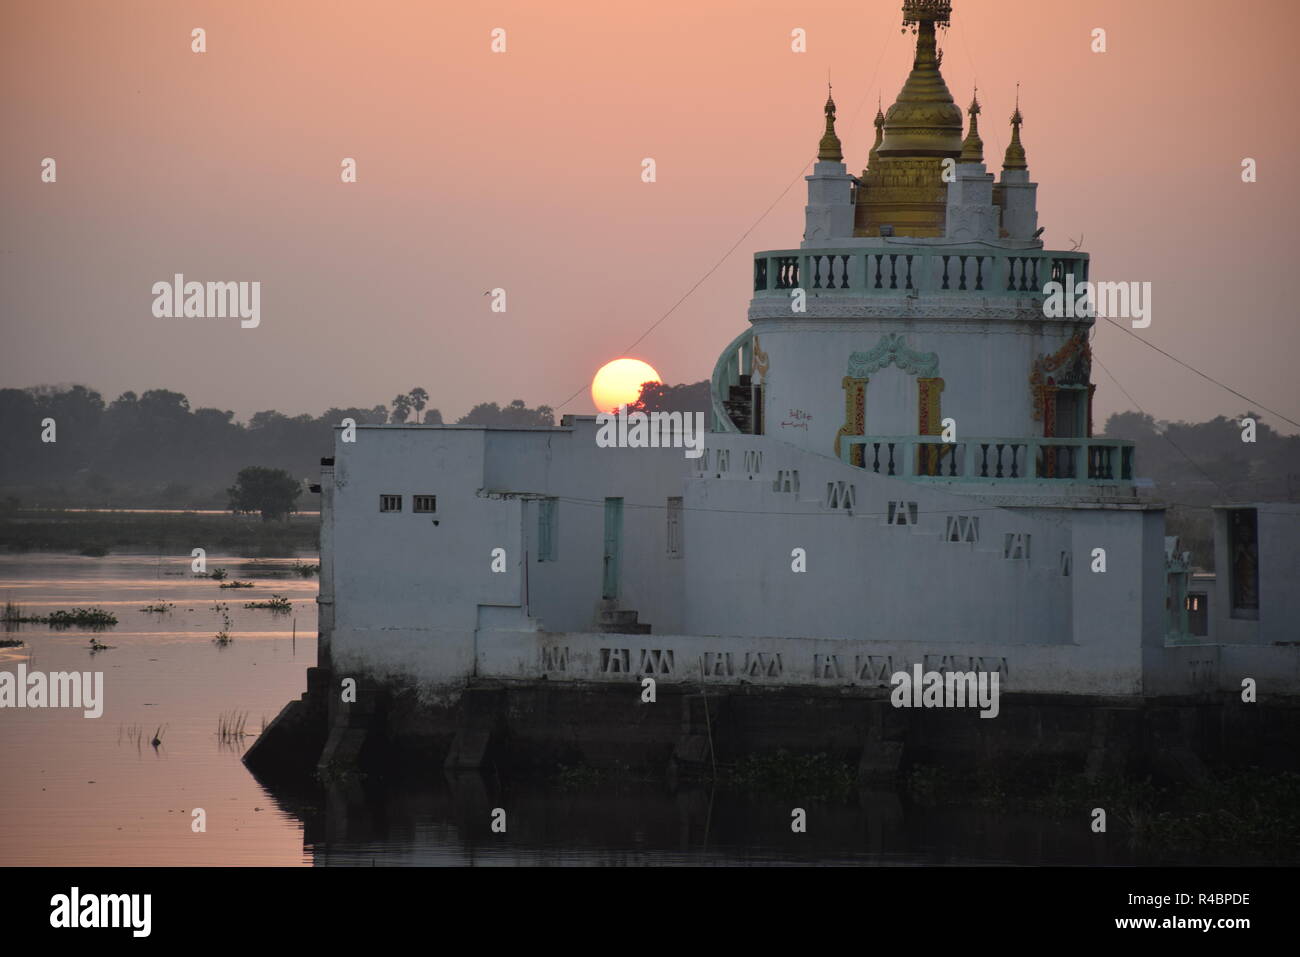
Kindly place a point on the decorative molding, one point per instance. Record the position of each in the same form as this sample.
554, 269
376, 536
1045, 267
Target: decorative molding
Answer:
855, 413
904, 308
760, 363
1070, 365
892, 349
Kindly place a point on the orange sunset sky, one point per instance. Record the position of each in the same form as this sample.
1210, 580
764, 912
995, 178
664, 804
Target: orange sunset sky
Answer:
522, 171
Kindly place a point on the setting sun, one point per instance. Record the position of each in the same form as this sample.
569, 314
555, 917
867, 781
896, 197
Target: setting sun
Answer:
619, 383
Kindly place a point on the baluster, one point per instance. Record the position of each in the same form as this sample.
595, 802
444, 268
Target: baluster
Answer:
817, 272
952, 460
999, 472
962, 284
878, 260
979, 272
891, 458
909, 272
945, 273
893, 270
1011, 273
984, 461
844, 272
1015, 450
876, 465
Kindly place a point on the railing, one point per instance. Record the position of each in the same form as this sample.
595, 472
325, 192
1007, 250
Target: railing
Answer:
1091, 460
734, 362
910, 270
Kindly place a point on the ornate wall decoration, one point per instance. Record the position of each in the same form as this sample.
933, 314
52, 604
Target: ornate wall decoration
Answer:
1069, 365
930, 422
855, 414
893, 349
760, 363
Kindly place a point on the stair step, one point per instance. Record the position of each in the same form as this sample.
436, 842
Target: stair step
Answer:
618, 617
638, 628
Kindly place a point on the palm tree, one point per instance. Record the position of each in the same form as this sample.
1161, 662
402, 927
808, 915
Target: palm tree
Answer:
419, 399
401, 409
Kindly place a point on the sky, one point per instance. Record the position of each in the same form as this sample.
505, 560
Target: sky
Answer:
522, 171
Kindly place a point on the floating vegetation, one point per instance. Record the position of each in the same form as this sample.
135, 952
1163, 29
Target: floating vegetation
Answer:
235, 584
222, 637
133, 733
230, 726
94, 617
97, 646
275, 603
819, 776
305, 570
217, 574
10, 642
159, 608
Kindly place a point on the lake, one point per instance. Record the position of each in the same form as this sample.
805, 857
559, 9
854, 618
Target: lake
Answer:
80, 791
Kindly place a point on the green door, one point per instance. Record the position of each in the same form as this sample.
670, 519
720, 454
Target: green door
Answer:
613, 547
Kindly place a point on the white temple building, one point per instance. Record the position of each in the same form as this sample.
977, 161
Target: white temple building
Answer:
901, 469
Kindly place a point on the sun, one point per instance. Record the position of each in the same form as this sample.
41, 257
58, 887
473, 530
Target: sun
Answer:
619, 383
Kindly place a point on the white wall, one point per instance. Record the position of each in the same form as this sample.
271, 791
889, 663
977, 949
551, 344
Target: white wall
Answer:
985, 365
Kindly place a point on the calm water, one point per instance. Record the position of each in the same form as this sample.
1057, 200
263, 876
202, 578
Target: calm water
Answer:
77, 791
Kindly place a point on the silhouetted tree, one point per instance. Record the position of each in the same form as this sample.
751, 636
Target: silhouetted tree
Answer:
657, 397
511, 416
273, 492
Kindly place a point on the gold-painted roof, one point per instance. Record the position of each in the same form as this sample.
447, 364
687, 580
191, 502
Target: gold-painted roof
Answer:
972, 148
829, 148
924, 120
874, 156
1015, 158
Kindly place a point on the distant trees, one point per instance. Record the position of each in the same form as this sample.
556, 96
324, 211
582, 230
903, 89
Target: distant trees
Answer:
415, 400
513, 415
658, 397
153, 449
1203, 462
273, 492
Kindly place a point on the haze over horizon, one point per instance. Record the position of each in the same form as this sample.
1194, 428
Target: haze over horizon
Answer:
521, 171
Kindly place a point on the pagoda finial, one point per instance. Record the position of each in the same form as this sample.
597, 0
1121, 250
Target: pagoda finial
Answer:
829, 149
1015, 158
972, 148
873, 157
926, 11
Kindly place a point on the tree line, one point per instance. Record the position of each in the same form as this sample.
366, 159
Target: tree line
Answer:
153, 449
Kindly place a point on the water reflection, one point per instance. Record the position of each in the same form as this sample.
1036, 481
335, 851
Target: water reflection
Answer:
449, 822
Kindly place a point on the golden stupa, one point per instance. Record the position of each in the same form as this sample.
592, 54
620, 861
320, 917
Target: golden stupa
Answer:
903, 185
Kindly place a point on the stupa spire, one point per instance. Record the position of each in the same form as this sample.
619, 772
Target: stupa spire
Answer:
829, 149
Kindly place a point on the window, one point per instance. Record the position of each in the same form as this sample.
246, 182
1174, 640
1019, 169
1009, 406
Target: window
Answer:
1243, 562
423, 503
675, 527
963, 528
546, 540
390, 503
1016, 546
901, 513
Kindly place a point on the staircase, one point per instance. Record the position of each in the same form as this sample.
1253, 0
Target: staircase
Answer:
612, 620
739, 404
